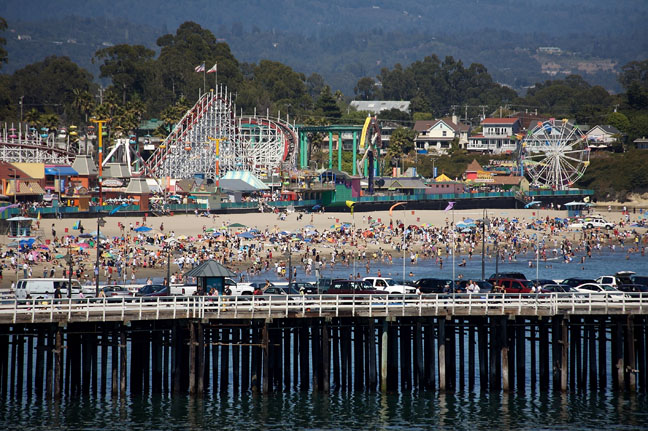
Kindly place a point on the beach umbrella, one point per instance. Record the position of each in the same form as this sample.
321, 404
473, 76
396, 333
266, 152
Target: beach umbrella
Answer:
309, 226
469, 220
237, 225
182, 237
44, 247
93, 234
106, 254
143, 229
316, 207
211, 229
59, 256
246, 235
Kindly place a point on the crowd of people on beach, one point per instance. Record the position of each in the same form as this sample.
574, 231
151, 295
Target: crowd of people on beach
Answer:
136, 254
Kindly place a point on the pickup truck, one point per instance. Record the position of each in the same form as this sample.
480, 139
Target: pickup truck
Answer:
591, 223
388, 285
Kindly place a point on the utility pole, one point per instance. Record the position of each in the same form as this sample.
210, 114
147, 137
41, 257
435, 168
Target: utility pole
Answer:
21, 108
466, 113
483, 108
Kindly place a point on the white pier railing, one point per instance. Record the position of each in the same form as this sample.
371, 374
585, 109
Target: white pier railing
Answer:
263, 306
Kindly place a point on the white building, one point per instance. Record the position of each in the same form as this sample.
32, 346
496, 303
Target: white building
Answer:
602, 136
498, 136
437, 135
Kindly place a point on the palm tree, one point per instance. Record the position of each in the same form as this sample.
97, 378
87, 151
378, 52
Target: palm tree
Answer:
83, 102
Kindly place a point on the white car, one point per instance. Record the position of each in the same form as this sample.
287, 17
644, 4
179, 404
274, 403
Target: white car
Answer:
389, 285
591, 223
609, 280
600, 289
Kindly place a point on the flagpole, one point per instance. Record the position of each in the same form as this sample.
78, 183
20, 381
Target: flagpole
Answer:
204, 78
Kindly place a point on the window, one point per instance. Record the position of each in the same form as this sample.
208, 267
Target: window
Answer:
445, 133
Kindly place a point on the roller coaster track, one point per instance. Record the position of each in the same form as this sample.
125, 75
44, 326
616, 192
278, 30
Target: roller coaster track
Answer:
31, 150
256, 144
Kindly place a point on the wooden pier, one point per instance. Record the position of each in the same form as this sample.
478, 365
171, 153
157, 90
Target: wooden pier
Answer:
197, 346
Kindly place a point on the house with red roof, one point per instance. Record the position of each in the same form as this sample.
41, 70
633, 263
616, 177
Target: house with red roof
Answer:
498, 136
436, 136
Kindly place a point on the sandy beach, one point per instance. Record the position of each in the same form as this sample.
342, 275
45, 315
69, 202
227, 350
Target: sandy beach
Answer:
192, 226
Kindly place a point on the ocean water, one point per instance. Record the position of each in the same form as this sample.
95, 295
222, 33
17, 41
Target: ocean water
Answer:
337, 411
604, 262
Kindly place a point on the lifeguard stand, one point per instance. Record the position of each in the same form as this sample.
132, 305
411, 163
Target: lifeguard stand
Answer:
575, 209
20, 227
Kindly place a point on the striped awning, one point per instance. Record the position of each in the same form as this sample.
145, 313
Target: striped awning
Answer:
248, 177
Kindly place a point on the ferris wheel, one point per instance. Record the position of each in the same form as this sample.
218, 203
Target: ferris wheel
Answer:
555, 154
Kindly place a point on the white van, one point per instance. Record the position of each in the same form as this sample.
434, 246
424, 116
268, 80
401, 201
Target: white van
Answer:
41, 288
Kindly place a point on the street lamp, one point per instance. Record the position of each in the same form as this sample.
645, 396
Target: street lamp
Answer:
70, 261
496, 256
485, 222
537, 258
100, 222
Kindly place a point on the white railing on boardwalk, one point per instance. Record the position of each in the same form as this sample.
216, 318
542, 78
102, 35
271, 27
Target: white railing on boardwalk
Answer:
246, 307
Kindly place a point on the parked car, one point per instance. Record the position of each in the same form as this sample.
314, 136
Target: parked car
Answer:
599, 289
633, 288
514, 285
540, 282
43, 288
484, 286
388, 285
114, 291
322, 284
247, 288
352, 287
434, 285
639, 279
280, 290
576, 281
556, 288
309, 288
153, 290
498, 275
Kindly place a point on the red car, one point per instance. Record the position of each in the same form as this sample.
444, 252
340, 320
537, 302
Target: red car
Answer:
513, 285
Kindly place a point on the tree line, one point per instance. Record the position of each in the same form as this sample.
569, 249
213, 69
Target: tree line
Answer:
163, 84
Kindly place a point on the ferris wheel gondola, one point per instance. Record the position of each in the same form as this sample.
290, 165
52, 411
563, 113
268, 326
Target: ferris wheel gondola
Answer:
555, 154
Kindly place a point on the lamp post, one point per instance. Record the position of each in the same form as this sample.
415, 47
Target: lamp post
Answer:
537, 259
289, 264
100, 222
168, 277
70, 260
454, 251
496, 257
485, 222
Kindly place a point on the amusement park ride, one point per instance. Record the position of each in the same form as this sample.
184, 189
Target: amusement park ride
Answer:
210, 134
554, 154
211, 140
